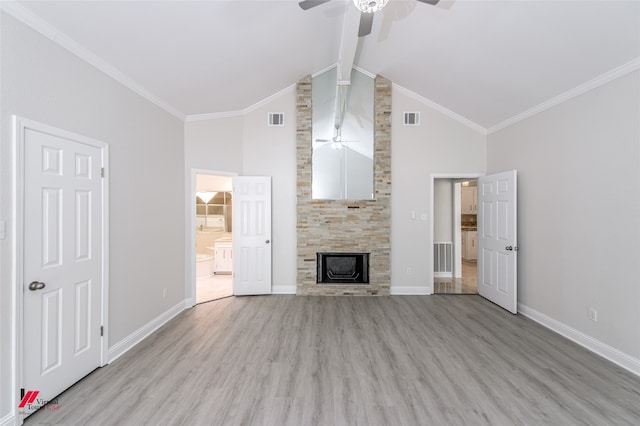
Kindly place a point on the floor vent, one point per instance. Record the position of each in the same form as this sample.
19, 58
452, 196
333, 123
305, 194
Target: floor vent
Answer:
443, 259
276, 119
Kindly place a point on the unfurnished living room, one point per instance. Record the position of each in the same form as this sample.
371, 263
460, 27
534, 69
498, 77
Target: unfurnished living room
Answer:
320, 212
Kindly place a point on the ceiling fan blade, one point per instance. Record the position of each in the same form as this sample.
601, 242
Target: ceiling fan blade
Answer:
308, 4
433, 2
366, 21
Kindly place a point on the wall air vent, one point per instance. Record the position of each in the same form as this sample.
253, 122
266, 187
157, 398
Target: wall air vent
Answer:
411, 118
276, 119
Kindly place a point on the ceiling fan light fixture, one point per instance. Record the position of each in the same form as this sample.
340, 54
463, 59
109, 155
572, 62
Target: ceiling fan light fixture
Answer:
370, 6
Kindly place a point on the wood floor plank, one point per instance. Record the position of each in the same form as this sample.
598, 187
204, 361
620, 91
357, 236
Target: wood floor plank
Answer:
287, 360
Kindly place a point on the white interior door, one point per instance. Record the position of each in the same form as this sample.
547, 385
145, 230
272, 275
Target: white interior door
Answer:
251, 235
497, 239
62, 264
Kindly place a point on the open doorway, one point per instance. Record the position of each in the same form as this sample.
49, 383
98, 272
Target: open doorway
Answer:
455, 235
214, 228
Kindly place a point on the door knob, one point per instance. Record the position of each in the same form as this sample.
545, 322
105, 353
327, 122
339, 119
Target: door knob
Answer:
508, 248
36, 285
267, 241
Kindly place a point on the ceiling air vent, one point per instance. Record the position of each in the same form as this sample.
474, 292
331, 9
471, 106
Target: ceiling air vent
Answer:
411, 118
276, 119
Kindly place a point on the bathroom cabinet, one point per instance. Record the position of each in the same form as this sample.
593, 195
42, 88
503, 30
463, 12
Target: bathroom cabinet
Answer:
224, 257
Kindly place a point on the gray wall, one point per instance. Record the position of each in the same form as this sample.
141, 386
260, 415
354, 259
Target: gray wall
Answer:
579, 210
43, 82
439, 145
442, 210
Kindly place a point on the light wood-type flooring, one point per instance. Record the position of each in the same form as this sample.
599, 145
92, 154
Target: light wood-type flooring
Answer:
400, 360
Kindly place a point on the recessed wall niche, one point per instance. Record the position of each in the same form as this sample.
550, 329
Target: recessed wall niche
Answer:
342, 137
362, 226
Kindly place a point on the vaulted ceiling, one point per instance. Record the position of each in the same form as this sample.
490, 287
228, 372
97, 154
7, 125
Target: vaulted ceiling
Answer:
486, 61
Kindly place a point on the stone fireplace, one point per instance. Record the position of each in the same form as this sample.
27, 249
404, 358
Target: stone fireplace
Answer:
344, 226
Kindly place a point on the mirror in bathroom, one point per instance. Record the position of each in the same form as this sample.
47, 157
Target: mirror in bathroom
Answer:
342, 137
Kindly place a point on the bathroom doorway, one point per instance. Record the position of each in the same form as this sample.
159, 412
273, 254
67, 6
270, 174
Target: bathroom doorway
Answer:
454, 202
213, 237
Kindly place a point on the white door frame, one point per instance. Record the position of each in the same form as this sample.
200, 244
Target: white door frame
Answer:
19, 126
190, 207
433, 177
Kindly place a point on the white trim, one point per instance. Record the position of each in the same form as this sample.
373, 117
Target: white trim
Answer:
576, 91
610, 353
430, 241
410, 291
323, 70
58, 37
269, 98
365, 72
212, 116
283, 289
431, 104
190, 231
8, 420
19, 126
240, 113
443, 274
124, 345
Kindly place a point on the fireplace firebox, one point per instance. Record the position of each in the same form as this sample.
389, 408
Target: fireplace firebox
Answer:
343, 268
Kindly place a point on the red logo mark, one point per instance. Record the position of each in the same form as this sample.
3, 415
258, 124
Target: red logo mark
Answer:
29, 397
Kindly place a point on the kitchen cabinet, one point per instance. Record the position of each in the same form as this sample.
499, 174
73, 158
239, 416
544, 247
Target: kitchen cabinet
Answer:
469, 200
224, 257
470, 245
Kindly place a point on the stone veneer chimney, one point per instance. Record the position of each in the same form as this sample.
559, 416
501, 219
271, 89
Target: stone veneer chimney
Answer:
342, 225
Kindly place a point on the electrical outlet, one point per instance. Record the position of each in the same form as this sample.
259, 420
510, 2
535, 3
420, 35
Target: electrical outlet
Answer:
164, 292
409, 271
593, 314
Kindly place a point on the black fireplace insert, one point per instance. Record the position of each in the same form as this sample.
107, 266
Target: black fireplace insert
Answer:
343, 268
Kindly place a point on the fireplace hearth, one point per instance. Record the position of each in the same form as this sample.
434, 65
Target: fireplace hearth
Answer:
341, 268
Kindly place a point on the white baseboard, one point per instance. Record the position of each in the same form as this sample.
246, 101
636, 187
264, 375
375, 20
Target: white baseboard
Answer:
8, 420
443, 274
410, 291
283, 289
612, 354
124, 345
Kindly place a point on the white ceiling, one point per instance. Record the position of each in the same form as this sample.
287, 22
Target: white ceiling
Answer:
487, 61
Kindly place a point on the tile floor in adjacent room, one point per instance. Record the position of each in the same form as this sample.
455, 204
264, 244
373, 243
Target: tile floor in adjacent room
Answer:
468, 284
214, 287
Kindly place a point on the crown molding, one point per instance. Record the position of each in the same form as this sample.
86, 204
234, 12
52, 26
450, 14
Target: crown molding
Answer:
428, 102
228, 114
212, 116
259, 104
577, 91
52, 33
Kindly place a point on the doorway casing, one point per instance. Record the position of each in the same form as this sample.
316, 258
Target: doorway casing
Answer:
190, 260
430, 239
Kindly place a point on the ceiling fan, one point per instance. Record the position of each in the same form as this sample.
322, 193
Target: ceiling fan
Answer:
336, 141
366, 7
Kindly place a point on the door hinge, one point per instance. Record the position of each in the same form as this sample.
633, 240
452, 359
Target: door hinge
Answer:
102, 172
101, 330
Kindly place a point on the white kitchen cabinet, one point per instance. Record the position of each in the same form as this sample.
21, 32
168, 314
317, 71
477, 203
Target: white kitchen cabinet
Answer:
223, 257
469, 200
469, 245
